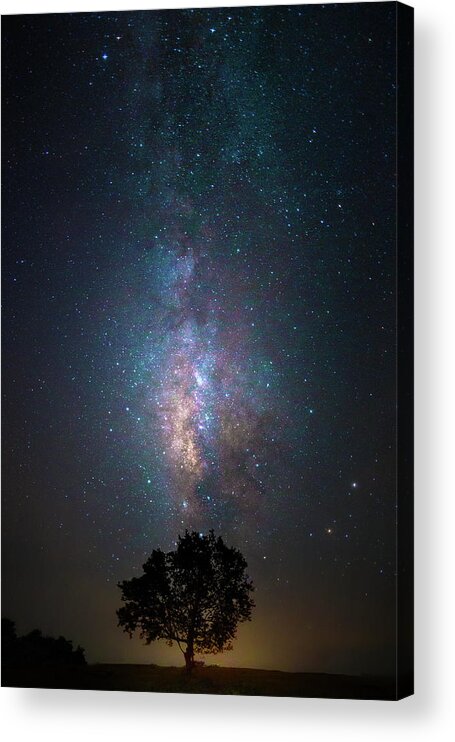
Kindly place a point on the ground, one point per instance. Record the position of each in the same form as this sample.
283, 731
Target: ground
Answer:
210, 679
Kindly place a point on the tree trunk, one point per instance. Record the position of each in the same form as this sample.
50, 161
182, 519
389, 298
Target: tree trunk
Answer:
189, 657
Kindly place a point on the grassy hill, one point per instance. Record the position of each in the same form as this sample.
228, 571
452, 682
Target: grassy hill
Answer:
211, 679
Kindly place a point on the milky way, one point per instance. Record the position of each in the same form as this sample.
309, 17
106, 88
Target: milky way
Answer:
208, 393
199, 324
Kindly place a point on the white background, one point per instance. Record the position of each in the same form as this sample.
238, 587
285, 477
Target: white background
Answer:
50, 715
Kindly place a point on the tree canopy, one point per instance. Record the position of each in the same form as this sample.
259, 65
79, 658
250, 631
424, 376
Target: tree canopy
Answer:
34, 649
194, 596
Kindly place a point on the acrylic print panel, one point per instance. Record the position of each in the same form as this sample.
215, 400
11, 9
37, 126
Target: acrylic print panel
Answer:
207, 362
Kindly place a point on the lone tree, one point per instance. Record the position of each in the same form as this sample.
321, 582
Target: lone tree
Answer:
194, 596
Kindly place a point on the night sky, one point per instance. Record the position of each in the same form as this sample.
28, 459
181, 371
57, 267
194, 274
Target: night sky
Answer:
199, 320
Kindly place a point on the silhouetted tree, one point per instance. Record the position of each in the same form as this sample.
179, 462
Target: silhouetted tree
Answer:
34, 649
9, 640
194, 596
